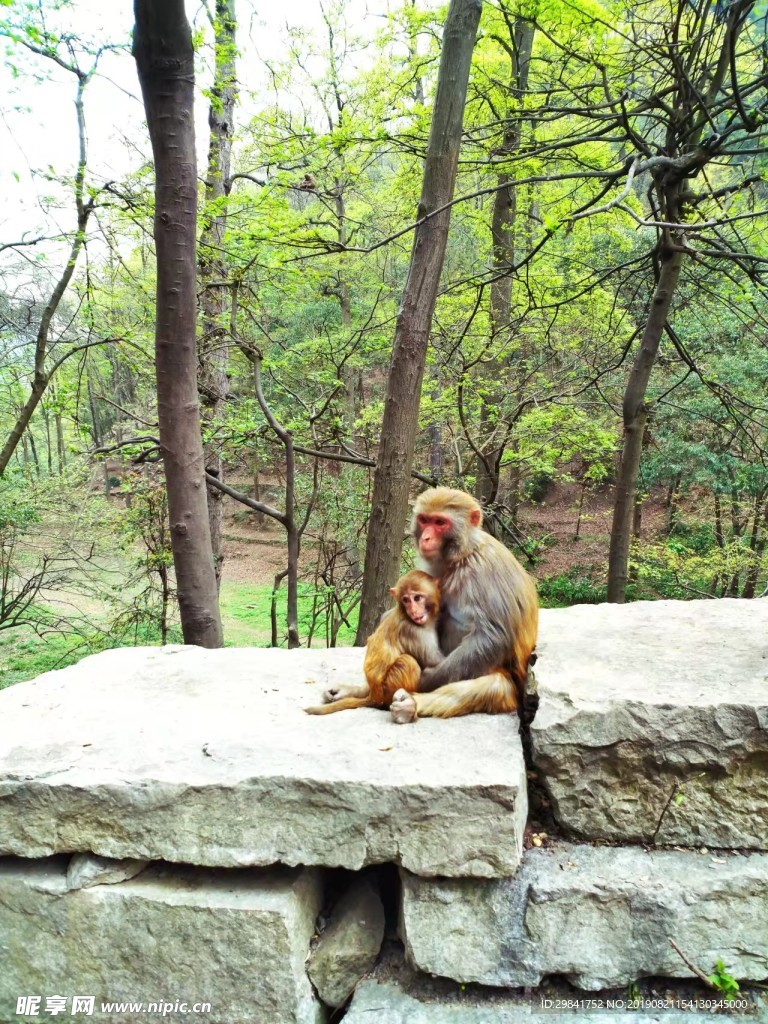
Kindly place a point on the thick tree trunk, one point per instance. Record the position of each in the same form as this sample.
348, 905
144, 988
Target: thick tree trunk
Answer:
401, 411
165, 61
212, 263
635, 417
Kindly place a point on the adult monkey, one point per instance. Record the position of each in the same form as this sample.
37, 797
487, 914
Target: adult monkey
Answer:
488, 619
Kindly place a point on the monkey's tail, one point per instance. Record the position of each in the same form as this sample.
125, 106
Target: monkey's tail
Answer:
341, 705
523, 648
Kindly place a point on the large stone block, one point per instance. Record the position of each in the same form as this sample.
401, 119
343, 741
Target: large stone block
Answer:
350, 944
234, 939
601, 916
387, 1003
653, 721
206, 757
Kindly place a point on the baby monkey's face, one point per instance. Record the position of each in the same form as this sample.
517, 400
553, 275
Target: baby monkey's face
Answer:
416, 606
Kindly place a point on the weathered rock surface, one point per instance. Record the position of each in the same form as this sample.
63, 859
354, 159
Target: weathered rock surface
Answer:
350, 944
85, 870
206, 757
601, 916
234, 939
386, 1003
653, 721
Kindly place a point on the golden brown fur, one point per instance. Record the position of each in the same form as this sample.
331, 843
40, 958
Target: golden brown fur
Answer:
398, 650
489, 613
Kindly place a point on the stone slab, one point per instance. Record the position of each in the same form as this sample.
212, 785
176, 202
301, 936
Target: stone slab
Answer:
206, 757
234, 939
653, 721
600, 916
387, 1003
348, 947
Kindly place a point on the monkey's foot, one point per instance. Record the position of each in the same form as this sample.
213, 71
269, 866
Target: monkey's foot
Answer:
339, 692
403, 708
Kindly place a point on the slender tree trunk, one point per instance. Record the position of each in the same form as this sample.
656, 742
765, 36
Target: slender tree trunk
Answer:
672, 502
33, 449
350, 375
41, 377
637, 512
212, 264
635, 418
165, 62
48, 439
164, 600
60, 446
256, 476
577, 534
96, 433
503, 236
637, 517
757, 544
401, 410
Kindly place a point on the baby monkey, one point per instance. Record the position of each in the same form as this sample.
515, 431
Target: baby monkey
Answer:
404, 643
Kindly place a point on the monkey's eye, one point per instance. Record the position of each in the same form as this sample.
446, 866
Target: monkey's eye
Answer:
421, 519
441, 523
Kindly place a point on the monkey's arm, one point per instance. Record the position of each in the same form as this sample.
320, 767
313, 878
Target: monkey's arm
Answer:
430, 653
482, 650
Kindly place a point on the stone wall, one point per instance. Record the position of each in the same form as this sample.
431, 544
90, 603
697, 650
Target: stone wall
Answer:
175, 831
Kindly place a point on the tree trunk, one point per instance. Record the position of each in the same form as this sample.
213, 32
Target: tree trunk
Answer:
503, 237
165, 62
33, 448
212, 264
635, 417
96, 433
41, 378
401, 410
60, 446
672, 502
48, 439
757, 544
256, 476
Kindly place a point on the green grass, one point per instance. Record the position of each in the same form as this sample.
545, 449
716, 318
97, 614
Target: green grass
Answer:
24, 655
245, 613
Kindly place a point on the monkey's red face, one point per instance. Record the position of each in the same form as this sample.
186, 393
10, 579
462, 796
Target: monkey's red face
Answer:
432, 532
416, 606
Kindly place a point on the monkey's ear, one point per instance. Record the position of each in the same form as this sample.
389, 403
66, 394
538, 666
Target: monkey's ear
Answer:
475, 517
393, 592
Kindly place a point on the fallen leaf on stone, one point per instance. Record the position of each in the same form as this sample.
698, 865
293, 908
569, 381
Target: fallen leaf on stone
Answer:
310, 680
385, 748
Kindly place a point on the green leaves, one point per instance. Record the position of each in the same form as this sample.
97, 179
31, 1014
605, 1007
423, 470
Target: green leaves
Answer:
724, 981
